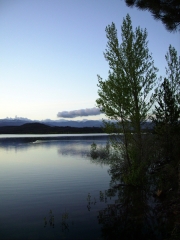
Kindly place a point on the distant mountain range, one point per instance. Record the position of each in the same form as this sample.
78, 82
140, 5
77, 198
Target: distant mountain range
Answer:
40, 128
58, 123
26, 126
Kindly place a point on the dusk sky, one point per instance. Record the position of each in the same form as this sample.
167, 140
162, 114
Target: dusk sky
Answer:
52, 50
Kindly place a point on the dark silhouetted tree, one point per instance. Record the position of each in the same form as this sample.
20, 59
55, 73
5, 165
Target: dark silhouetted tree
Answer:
168, 11
167, 110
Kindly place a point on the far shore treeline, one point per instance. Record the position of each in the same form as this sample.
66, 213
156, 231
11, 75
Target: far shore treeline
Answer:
39, 128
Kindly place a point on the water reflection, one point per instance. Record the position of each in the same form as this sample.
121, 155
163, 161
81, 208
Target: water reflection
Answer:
63, 196
129, 216
51, 219
42, 175
134, 212
67, 144
77, 148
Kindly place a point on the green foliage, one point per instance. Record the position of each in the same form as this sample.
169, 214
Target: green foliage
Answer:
167, 128
126, 94
131, 77
167, 112
167, 108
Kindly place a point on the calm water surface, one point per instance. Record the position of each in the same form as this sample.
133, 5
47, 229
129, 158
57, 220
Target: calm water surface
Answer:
44, 186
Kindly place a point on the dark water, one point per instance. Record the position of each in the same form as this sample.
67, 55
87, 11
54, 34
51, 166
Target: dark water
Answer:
51, 189
44, 187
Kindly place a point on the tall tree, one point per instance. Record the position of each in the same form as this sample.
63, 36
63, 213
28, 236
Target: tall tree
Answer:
125, 95
167, 108
168, 11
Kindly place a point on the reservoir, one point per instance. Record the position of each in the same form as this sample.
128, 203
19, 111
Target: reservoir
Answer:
50, 188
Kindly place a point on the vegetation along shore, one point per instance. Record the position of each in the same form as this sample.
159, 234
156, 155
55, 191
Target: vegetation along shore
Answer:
144, 167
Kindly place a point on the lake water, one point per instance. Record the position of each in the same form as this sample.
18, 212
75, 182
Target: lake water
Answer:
50, 188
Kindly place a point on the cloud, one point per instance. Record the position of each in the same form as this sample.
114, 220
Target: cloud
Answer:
79, 113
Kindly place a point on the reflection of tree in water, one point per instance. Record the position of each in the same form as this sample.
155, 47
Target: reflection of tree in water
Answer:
133, 215
73, 148
51, 219
76, 148
129, 217
65, 223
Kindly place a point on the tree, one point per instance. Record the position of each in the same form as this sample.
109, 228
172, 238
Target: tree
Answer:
166, 118
167, 109
168, 11
125, 95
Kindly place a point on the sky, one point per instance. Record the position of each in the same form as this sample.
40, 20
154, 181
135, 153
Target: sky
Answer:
52, 50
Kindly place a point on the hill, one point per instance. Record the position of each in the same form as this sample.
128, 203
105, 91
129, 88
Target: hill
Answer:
49, 122
40, 128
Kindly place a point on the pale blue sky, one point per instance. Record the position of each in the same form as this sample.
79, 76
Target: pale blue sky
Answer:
52, 50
